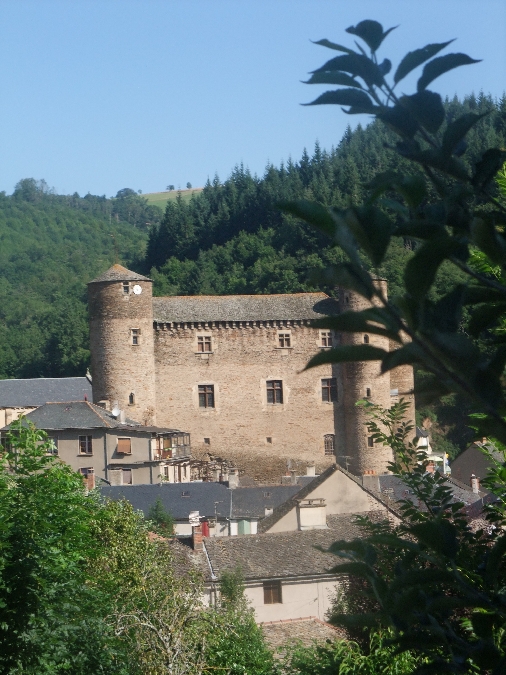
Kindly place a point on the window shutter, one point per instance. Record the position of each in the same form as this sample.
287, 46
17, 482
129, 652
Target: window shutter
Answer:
125, 446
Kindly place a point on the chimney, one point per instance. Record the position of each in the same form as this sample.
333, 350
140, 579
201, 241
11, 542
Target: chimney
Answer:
268, 511
311, 469
122, 417
371, 481
116, 476
90, 479
293, 477
233, 478
475, 484
197, 538
312, 514
105, 404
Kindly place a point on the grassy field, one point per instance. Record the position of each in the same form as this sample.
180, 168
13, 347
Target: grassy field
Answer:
161, 198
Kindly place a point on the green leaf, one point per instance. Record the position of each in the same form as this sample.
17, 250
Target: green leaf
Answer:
414, 59
356, 64
441, 65
496, 559
427, 108
351, 277
430, 390
365, 321
372, 229
351, 97
485, 316
489, 165
345, 354
371, 32
311, 212
484, 235
457, 130
399, 120
407, 354
421, 269
440, 536
333, 45
335, 77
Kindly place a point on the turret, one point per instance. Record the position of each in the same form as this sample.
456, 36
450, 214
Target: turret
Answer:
121, 342
363, 380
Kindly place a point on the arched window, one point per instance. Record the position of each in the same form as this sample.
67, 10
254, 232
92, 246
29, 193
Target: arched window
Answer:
329, 443
366, 339
131, 399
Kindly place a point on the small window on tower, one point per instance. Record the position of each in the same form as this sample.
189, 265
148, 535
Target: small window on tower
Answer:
136, 336
329, 390
329, 443
366, 339
284, 340
204, 344
126, 288
131, 399
370, 442
274, 391
368, 392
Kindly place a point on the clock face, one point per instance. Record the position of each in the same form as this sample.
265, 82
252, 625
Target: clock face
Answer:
137, 289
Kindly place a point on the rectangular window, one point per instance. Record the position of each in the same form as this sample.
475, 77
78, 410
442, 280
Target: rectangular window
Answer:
272, 592
274, 391
136, 336
204, 343
329, 443
126, 288
125, 446
284, 340
85, 445
370, 442
329, 390
127, 476
53, 450
85, 472
326, 338
206, 395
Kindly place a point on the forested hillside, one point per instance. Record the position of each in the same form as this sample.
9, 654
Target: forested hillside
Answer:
50, 246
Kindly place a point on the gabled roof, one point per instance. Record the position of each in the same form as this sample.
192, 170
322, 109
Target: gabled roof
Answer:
75, 415
284, 554
207, 308
119, 273
37, 391
181, 498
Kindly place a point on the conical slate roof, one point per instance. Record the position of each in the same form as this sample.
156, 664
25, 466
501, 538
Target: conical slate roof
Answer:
119, 273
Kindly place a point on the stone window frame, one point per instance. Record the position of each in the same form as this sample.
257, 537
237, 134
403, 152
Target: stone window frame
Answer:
275, 389
326, 339
125, 287
85, 445
205, 340
329, 444
273, 594
206, 396
135, 337
284, 339
329, 389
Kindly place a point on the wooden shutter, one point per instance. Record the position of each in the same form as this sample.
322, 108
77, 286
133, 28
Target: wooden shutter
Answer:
125, 446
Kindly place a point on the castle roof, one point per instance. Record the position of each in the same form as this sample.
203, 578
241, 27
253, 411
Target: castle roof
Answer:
207, 308
75, 415
119, 273
37, 391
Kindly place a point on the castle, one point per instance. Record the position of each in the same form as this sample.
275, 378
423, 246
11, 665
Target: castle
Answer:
230, 370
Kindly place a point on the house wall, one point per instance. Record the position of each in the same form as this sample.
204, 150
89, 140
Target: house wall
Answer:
240, 424
300, 598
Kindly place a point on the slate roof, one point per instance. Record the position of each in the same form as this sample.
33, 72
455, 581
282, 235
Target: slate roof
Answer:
75, 415
119, 273
394, 488
36, 392
206, 308
181, 498
284, 554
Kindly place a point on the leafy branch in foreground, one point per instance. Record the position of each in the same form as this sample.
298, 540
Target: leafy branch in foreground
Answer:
435, 583
444, 210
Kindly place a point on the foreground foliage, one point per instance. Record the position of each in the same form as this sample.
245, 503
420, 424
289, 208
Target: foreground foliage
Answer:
85, 588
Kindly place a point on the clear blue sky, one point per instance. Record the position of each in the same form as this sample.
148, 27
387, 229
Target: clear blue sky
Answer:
98, 95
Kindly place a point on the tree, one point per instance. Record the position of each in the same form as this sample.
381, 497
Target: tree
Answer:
162, 521
188, 186
443, 594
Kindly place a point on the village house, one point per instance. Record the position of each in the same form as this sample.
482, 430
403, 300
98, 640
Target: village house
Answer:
100, 445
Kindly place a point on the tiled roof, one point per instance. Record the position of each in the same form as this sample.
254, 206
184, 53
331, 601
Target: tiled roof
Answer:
35, 392
285, 633
206, 308
181, 498
119, 273
283, 554
75, 415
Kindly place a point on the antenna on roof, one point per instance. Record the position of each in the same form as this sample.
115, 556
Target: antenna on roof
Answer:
115, 411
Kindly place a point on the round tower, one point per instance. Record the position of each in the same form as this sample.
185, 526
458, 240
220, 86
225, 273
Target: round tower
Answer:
121, 342
363, 380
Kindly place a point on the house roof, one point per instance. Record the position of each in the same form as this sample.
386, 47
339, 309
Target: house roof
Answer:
207, 308
37, 391
76, 415
283, 633
119, 273
283, 554
181, 498
394, 488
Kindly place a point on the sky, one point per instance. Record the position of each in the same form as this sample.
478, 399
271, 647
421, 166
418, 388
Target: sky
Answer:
99, 95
